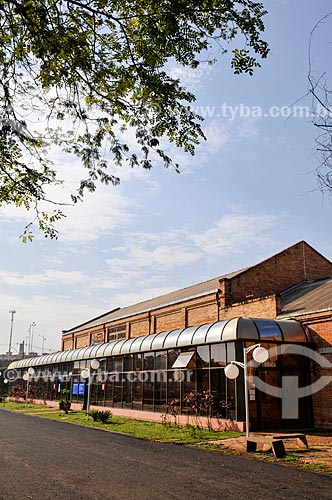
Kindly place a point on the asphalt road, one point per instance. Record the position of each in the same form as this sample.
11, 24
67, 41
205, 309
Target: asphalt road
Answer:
49, 460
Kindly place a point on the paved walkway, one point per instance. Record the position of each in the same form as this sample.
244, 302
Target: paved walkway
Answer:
42, 459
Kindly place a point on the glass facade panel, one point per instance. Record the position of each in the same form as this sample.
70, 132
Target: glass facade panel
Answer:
203, 380
137, 394
148, 363
109, 393
110, 365
126, 393
230, 349
172, 355
231, 399
117, 395
218, 355
218, 391
203, 356
118, 364
173, 392
148, 392
128, 363
160, 383
137, 362
188, 383
161, 360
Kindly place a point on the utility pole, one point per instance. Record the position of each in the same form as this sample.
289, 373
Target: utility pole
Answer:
11, 331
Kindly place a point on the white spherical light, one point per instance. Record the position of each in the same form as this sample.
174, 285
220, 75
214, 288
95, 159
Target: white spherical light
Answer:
25, 376
31, 371
231, 371
260, 354
85, 373
5, 381
95, 364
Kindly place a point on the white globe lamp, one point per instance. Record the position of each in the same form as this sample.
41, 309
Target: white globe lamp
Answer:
85, 373
231, 371
95, 364
260, 354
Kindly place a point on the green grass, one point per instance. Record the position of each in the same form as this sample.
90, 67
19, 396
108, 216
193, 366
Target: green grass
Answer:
168, 433
21, 406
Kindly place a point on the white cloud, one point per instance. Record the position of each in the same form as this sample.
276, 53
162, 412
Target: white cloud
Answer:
217, 136
191, 79
46, 278
99, 214
152, 255
235, 234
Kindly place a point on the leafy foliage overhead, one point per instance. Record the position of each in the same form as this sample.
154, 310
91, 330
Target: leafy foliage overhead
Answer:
91, 69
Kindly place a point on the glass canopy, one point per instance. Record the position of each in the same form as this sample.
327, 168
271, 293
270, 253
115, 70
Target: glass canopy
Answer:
249, 329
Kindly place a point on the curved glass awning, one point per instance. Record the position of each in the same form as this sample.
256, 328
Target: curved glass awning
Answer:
256, 330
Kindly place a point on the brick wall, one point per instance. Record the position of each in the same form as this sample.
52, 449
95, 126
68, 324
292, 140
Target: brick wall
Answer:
274, 275
320, 324
266, 307
170, 320
202, 313
67, 344
139, 327
82, 340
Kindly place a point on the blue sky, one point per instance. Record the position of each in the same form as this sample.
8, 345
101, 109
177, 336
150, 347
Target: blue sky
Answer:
249, 192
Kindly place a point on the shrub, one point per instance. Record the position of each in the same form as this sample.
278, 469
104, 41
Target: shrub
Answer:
101, 416
94, 414
105, 416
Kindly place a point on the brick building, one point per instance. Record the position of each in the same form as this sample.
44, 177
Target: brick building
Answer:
255, 292
295, 284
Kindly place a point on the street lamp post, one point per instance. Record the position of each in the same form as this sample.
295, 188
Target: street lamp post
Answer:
11, 331
33, 324
260, 355
87, 374
26, 377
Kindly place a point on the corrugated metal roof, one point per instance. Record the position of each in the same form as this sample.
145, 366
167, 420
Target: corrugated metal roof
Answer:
250, 329
307, 297
190, 292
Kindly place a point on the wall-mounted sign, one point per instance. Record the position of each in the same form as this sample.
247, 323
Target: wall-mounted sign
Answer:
97, 338
325, 350
78, 388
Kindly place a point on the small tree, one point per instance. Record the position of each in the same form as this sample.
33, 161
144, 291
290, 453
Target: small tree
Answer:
64, 403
